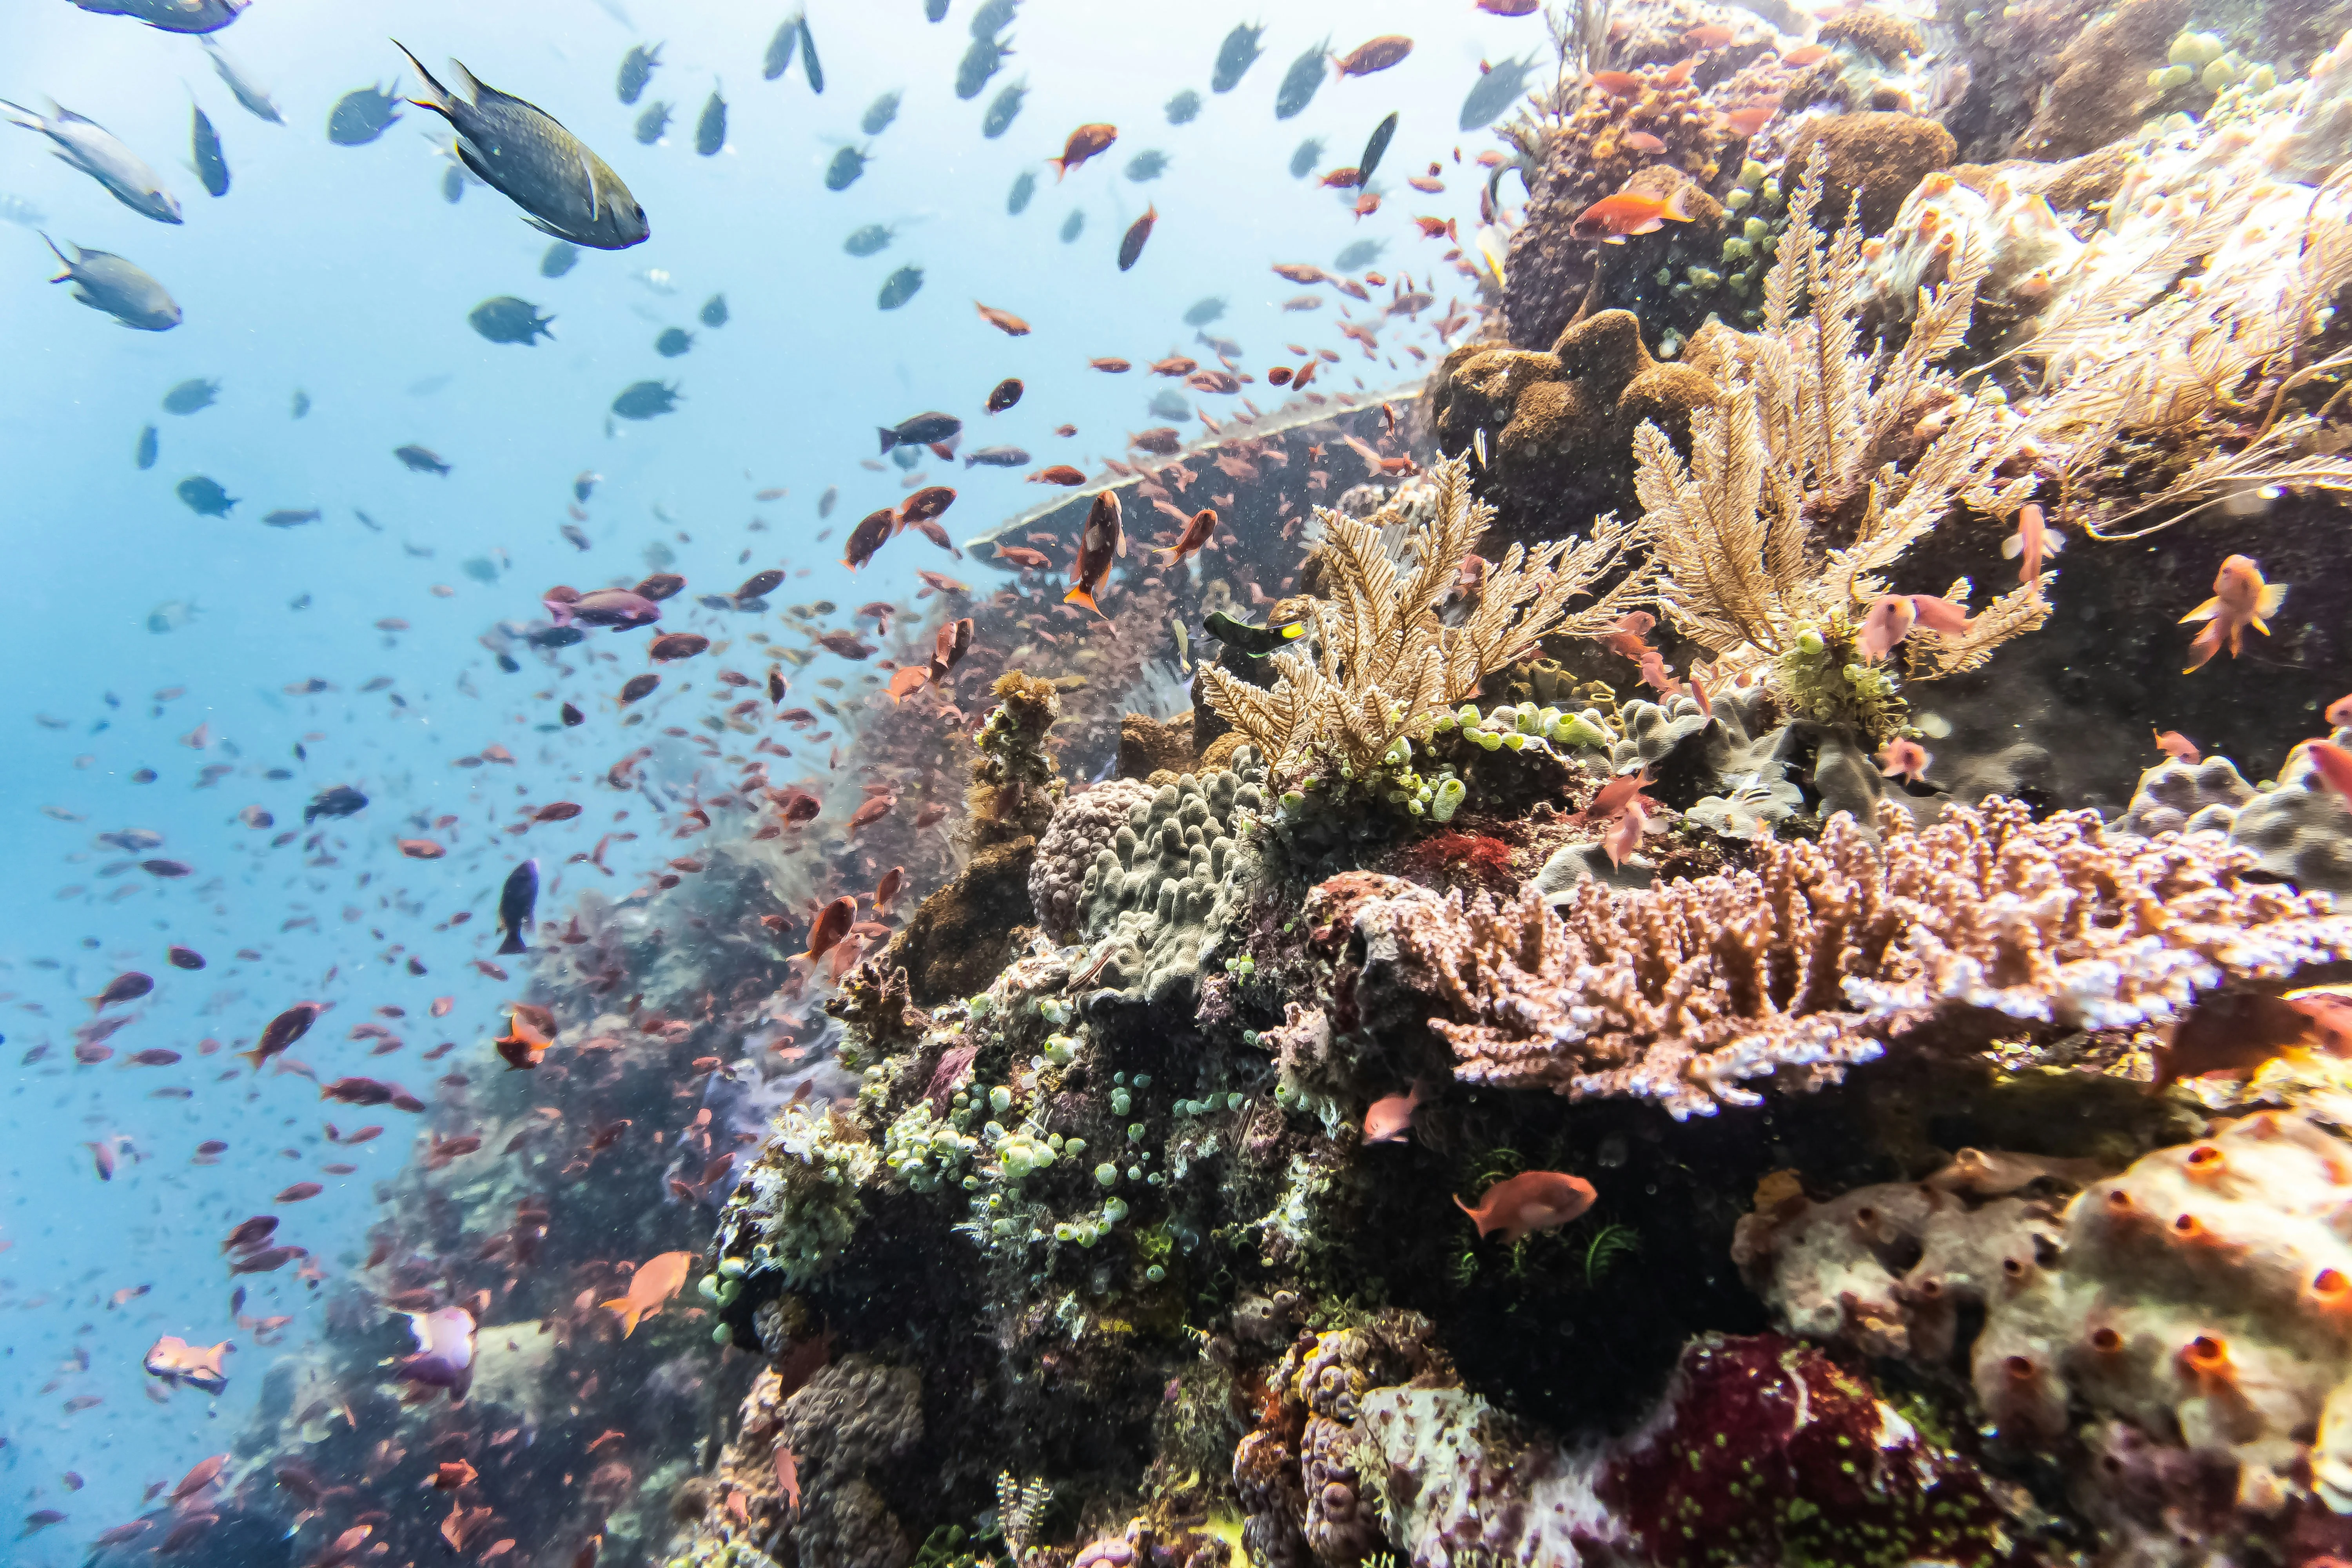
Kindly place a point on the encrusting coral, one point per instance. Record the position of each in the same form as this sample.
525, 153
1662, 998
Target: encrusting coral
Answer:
1383, 664
1984, 924
1082, 829
2193, 1306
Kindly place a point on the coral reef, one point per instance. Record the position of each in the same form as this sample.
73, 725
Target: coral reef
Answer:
2297, 827
1167, 881
1553, 422
1081, 830
962, 934
1985, 923
1878, 156
1014, 785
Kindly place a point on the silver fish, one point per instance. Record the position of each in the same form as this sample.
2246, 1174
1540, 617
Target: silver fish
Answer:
520, 152
89, 146
250, 92
120, 289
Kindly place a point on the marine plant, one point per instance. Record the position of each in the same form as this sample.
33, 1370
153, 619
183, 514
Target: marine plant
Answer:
1777, 534
1384, 666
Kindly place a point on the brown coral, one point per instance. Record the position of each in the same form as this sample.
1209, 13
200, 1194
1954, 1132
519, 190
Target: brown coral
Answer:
1081, 830
1875, 32
1986, 922
962, 934
1878, 156
2102, 91
1559, 425
1014, 784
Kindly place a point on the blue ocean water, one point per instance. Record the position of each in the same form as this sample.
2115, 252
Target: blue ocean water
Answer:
149, 638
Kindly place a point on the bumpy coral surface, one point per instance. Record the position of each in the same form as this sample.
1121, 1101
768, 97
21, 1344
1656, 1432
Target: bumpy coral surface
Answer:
1878, 156
2194, 1305
1815, 960
1162, 889
1081, 830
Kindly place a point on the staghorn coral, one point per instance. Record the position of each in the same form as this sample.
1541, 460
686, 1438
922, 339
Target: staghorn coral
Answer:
1984, 923
2192, 1306
1383, 664
1082, 829
1773, 537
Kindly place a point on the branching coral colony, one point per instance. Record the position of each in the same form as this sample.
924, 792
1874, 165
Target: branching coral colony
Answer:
1384, 666
1815, 474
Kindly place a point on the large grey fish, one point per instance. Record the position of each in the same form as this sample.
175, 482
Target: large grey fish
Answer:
520, 152
172, 16
1002, 109
636, 69
122, 290
1300, 82
998, 458
880, 113
250, 92
979, 62
1234, 56
710, 130
89, 146
1496, 91
361, 116
780, 48
204, 147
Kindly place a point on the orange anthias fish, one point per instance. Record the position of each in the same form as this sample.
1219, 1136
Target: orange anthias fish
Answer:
2332, 762
2339, 713
655, 1281
1626, 836
2330, 1008
1613, 796
1059, 474
832, 924
1529, 1202
2241, 599
908, 680
2177, 746
175, 1361
2032, 542
1904, 759
1098, 544
1613, 218
1888, 623
529, 1031
1004, 320
1389, 1118
1194, 538
1083, 143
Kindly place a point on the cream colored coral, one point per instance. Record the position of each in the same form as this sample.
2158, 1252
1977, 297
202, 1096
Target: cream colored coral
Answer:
1382, 662
1824, 954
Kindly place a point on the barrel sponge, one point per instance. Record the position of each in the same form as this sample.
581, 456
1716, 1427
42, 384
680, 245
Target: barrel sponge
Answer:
2202, 1298
1082, 827
1880, 155
1163, 891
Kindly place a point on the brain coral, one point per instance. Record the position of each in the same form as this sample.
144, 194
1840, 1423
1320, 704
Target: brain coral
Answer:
1081, 830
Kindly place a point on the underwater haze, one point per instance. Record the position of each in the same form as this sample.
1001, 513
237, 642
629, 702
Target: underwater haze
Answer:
1013, 783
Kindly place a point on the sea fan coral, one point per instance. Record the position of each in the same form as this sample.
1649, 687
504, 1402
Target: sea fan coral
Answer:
1384, 664
1797, 455
1826, 953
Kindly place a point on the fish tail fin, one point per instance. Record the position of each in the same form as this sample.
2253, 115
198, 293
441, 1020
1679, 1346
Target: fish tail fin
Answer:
889, 439
60, 255
436, 97
628, 1311
1475, 1218
18, 114
1080, 596
2204, 612
2201, 651
2274, 596
513, 944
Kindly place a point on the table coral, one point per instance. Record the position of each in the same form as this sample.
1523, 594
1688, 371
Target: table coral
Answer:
1826, 953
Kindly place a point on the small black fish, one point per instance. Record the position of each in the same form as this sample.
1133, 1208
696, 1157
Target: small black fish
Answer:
361, 115
1235, 56
212, 168
759, 584
1130, 245
1074, 226
710, 130
420, 459
982, 61
517, 900
781, 49
1004, 394
714, 310
1300, 82
560, 258
645, 399
900, 287
998, 458
1002, 109
880, 114
192, 395
674, 341
843, 172
652, 123
301, 402
1374, 148
341, 800
556, 637
503, 318
1308, 154
922, 430
571, 716
146, 455
1184, 108
1254, 641
1025, 185
204, 496
808, 58
636, 69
